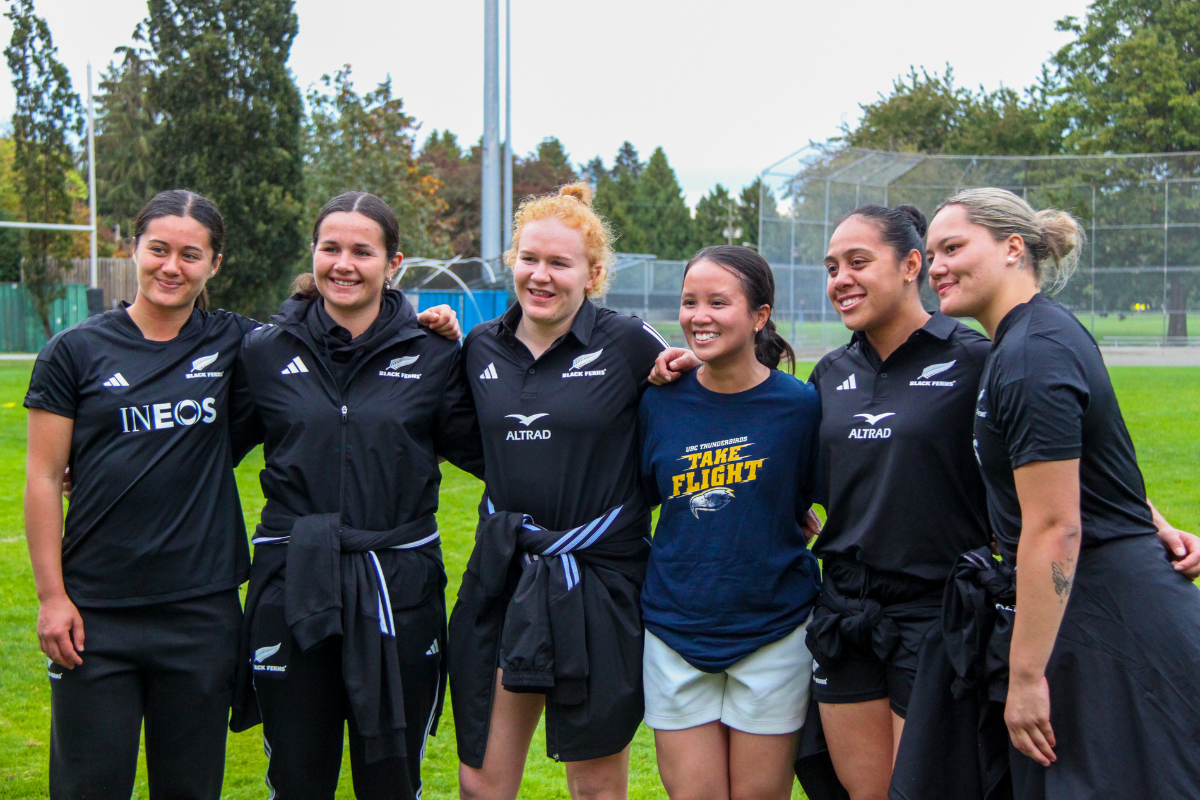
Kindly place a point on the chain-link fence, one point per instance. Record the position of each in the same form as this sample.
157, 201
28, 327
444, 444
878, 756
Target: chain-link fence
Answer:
1139, 276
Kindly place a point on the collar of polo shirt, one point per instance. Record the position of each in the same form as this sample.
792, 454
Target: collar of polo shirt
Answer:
581, 327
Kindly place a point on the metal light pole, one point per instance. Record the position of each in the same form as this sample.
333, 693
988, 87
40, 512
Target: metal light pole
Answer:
91, 177
490, 245
506, 220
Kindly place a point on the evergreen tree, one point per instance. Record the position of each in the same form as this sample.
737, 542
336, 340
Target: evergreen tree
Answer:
365, 143
626, 173
47, 113
660, 211
593, 171
125, 125
754, 203
718, 218
1131, 83
458, 173
230, 128
610, 205
616, 191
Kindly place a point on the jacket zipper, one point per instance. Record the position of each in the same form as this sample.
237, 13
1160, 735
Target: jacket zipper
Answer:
345, 458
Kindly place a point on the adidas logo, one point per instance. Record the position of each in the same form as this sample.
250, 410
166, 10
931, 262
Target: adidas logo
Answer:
849, 383
294, 367
433, 649
116, 380
489, 374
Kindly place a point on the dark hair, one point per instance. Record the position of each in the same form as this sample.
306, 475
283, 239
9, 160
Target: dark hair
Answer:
182, 203
370, 207
902, 228
758, 284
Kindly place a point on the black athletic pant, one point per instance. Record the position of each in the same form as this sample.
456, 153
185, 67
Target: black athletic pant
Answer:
305, 710
170, 665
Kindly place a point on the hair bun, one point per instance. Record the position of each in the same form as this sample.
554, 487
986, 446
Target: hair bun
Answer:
580, 191
916, 217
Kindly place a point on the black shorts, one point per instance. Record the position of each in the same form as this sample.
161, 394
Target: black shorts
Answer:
860, 674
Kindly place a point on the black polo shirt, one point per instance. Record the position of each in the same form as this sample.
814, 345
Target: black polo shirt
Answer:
902, 490
1046, 396
154, 513
560, 431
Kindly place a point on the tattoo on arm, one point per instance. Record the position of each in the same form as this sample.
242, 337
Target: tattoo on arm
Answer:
1062, 581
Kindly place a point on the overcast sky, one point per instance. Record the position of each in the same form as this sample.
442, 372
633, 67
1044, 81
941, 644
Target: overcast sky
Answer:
726, 88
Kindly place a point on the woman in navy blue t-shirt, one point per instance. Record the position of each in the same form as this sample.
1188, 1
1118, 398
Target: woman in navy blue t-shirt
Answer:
730, 453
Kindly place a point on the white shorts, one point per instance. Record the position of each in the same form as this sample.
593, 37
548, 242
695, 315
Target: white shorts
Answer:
766, 692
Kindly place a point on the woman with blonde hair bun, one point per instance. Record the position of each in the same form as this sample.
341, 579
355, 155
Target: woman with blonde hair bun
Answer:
548, 614
1093, 646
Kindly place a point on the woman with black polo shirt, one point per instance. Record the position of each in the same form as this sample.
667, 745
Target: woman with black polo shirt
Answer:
145, 574
345, 613
1103, 672
548, 613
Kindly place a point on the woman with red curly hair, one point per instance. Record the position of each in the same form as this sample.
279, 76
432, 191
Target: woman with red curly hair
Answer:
548, 615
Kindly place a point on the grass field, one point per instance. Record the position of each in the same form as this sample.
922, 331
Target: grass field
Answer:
1160, 405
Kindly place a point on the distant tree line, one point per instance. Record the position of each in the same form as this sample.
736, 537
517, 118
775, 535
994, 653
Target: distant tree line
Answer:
204, 100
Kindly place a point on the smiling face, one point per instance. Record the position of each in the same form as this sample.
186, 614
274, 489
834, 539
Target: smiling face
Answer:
551, 272
967, 266
866, 282
174, 259
715, 315
350, 262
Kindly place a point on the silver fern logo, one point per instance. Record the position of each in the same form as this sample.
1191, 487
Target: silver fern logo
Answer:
401, 363
263, 653
397, 364
201, 363
932, 371
936, 369
585, 359
198, 367
577, 366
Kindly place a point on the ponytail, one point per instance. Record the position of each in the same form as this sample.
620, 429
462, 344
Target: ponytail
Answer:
770, 348
758, 284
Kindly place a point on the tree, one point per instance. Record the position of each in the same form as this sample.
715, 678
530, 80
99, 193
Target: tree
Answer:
10, 211
125, 125
459, 176
929, 113
718, 216
660, 211
755, 203
365, 143
543, 170
230, 128
616, 191
47, 113
1131, 83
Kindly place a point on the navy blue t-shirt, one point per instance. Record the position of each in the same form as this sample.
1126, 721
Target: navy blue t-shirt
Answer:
735, 474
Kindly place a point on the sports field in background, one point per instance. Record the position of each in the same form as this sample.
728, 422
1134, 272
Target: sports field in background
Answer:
1160, 405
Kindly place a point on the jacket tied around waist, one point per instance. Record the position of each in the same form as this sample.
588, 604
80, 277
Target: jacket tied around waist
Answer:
335, 587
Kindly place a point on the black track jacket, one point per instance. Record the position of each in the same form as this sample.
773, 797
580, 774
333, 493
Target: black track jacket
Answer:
365, 450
